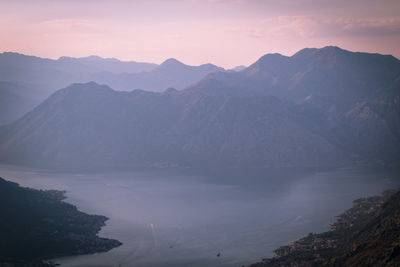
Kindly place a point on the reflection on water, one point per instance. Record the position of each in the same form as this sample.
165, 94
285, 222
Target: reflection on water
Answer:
193, 218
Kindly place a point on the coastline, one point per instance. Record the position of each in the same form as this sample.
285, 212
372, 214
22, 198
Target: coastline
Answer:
351, 238
39, 227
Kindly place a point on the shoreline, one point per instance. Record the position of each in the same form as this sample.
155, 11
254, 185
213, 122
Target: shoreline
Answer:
40, 226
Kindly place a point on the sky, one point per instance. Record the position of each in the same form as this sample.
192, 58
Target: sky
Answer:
227, 33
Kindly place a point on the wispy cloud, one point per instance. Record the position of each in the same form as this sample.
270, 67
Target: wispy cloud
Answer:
225, 32
308, 26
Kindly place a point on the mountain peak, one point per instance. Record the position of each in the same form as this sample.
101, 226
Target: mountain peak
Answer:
89, 88
331, 48
238, 68
267, 62
92, 57
271, 58
171, 62
12, 53
18, 56
307, 52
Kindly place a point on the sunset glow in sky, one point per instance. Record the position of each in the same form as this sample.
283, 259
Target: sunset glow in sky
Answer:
224, 32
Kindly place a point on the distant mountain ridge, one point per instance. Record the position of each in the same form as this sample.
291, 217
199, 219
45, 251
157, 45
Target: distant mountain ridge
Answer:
353, 98
169, 74
12, 59
92, 125
320, 71
112, 65
15, 100
36, 78
320, 107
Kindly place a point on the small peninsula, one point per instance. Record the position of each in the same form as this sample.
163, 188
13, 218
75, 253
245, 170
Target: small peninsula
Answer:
36, 225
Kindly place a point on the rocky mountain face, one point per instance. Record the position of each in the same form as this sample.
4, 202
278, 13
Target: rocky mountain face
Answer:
320, 107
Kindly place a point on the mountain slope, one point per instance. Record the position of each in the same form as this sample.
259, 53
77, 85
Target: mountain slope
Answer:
113, 65
88, 125
25, 81
319, 107
170, 74
52, 74
327, 72
40, 77
365, 235
334, 88
15, 100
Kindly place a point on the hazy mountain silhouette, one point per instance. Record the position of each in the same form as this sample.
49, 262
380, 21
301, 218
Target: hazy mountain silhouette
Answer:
15, 100
89, 125
326, 72
40, 77
170, 74
319, 107
352, 98
238, 68
48, 73
25, 81
112, 65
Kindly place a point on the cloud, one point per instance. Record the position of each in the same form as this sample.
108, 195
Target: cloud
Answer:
297, 26
308, 27
381, 26
68, 24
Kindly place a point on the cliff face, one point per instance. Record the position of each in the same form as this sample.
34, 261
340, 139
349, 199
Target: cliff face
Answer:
38, 225
365, 235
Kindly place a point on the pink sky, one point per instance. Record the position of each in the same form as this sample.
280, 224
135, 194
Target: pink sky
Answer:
224, 32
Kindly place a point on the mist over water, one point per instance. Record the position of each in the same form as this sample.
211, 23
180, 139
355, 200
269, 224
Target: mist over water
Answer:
188, 217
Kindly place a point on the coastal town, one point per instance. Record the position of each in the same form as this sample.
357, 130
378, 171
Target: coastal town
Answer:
325, 248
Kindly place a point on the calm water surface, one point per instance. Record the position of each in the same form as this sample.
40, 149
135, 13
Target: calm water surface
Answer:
185, 218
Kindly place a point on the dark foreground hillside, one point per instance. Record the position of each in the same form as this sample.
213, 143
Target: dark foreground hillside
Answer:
368, 234
37, 225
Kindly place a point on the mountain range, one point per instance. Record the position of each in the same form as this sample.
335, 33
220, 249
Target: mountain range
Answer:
32, 79
317, 108
170, 74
